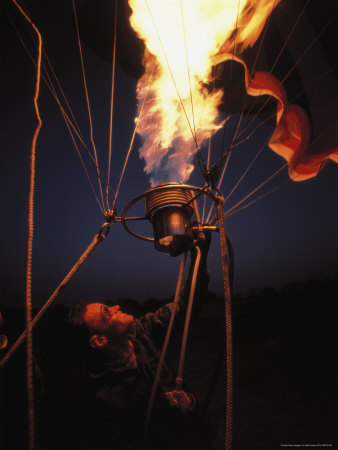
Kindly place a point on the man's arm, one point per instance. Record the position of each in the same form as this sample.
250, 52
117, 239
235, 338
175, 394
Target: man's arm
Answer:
157, 322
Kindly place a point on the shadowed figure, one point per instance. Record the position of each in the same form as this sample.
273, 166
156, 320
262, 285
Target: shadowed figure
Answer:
122, 354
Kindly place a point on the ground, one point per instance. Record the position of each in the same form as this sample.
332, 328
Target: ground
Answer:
284, 349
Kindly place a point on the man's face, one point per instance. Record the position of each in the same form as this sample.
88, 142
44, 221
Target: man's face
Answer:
109, 320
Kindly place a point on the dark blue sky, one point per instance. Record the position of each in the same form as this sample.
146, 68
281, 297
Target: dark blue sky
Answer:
290, 235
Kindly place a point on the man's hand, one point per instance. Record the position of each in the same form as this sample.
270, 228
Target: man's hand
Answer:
180, 399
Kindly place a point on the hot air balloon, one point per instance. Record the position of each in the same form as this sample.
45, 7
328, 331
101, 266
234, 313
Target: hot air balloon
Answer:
298, 37
290, 100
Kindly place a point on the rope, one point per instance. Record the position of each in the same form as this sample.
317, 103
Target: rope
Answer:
97, 239
228, 325
30, 382
49, 84
220, 357
165, 346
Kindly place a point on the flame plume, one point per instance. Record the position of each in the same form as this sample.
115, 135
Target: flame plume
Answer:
183, 40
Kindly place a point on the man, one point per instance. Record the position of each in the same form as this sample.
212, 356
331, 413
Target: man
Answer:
123, 354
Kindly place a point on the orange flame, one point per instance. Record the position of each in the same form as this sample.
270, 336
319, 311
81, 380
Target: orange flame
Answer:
184, 39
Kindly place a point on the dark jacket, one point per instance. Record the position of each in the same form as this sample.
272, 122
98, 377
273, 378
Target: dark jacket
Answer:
118, 398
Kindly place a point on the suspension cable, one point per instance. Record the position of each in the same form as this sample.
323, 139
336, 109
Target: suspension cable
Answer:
310, 85
49, 84
47, 79
256, 189
249, 136
188, 70
235, 35
88, 103
305, 52
289, 72
111, 107
70, 125
252, 71
165, 346
272, 68
137, 120
172, 76
78, 131
238, 133
224, 168
235, 211
208, 165
241, 177
220, 180
246, 171
83, 164
243, 101
262, 123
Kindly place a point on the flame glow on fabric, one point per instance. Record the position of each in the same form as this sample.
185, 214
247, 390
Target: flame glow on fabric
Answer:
184, 41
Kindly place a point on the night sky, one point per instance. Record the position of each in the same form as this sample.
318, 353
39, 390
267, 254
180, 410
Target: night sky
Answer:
289, 235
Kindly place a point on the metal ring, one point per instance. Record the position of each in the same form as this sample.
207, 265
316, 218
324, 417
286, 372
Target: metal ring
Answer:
160, 187
105, 228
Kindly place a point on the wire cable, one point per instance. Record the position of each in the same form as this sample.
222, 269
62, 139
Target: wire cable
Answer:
220, 181
88, 103
69, 124
246, 171
252, 71
300, 15
83, 164
258, 187
289, 72
208, 165
188, 70
257, 199
111, 108
171, 74
235, 35
131, 145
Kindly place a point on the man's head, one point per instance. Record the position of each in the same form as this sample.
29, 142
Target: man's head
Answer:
103, 324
